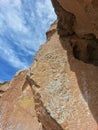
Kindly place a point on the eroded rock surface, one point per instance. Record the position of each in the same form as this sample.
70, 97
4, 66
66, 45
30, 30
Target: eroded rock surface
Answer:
69, 89
17, 110
4, 86
60, 90
85, 45
86, 14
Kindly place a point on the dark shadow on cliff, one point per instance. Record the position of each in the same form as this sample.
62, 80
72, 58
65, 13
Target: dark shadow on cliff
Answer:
87, 77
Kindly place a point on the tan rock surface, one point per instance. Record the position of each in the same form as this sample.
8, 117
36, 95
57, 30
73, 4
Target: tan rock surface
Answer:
60, 90
4, 87
69, 89
86, 13
17, 106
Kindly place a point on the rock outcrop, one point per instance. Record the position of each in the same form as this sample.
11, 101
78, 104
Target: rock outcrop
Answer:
84, 44
60, 89
4, 86
86, 14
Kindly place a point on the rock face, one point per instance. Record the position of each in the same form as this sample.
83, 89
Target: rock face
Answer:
17, 106
84, 44
86, 14
60, 89
4, 87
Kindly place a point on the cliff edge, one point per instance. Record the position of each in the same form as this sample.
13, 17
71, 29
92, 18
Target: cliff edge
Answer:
60, 89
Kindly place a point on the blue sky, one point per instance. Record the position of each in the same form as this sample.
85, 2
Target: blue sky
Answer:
23, 24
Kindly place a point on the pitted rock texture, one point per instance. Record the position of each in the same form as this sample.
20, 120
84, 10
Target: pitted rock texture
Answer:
17, 106
85, 46
60, 89
4, 86
65, 20
69, 89
86, 14
85, 49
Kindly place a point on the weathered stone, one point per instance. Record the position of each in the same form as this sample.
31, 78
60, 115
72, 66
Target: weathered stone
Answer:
60, 90
85, 45
86, 14
4, 86
17, 106
68, 87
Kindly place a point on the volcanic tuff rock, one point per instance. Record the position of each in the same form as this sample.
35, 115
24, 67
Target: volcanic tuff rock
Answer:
4, 87
86, 14
60, 89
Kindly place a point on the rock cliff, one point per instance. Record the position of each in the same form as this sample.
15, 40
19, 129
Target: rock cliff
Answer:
60, 89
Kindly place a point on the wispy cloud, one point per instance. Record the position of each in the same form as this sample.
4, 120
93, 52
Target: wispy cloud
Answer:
7, 53
22, 29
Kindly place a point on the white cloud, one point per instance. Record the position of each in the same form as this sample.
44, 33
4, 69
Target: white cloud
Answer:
45, 9
21, 29
8, 54
17, 22
11, 14
14, 2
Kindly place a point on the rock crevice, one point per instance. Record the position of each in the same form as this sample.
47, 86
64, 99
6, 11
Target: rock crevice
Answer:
84, 47
60, 90
43, 115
